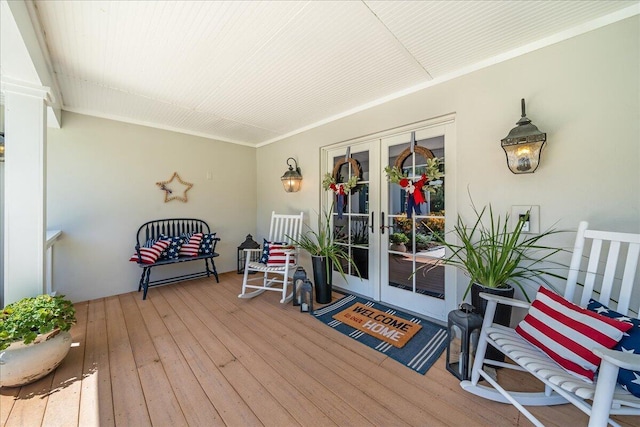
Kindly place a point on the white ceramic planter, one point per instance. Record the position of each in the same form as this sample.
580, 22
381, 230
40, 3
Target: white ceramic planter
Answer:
22, 364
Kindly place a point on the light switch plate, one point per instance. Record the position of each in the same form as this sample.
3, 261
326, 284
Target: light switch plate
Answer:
534, 217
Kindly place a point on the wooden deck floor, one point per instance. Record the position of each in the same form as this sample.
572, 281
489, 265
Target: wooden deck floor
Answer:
194, 354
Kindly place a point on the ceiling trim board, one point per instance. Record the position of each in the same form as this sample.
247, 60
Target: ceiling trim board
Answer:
155, 126
548, 41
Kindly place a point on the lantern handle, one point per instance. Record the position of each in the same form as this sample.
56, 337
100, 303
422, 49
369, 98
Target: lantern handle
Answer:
297, 169
467, 308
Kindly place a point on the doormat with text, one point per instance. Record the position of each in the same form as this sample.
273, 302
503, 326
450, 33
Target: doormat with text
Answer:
416, 343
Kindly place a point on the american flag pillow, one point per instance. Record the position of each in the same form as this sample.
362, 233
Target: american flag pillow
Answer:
630, 343
173, 250
208, 244
192, 247
149, 255
567, 333
273, 254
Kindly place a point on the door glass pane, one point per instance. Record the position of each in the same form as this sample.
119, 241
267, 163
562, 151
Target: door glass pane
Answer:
350, 229
415, 218
359, 200
360, 258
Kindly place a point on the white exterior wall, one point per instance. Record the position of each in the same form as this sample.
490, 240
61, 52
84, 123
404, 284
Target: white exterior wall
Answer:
583, 92
102, 176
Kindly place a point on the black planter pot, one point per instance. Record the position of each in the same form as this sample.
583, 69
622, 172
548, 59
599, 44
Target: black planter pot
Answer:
503, 312
322, 281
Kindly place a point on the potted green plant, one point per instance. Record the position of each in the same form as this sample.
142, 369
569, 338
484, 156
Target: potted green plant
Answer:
325, 254
34, 338
398, 241
498, 259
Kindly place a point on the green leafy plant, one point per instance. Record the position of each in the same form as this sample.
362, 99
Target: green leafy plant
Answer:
321, 243
398, 238
496, 257
24, 320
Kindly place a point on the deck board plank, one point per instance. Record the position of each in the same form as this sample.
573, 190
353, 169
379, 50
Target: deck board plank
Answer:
161, 401
67, 388
207, 357
273, 391
195, 405
193, 353
8, 396
276, 351
29, 407
361, 371
96, 402
129, 405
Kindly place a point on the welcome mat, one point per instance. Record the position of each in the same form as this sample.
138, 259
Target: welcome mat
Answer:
416, 343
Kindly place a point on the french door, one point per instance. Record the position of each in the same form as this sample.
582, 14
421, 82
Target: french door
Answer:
408, 275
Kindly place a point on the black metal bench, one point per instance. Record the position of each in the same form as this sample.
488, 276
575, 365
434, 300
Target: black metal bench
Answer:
173, 227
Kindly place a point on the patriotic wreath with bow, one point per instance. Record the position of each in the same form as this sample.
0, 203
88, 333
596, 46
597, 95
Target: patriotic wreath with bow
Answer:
415, 187
341, 189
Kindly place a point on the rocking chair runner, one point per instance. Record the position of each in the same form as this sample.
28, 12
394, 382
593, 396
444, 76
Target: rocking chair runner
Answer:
284, 228
601, 398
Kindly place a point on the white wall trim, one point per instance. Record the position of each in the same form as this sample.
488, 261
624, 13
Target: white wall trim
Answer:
8, 84
88, 112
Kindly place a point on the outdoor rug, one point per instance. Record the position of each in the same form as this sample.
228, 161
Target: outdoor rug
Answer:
416, 343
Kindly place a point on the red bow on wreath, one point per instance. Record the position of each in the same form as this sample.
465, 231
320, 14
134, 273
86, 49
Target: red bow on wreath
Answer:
414, 193
338, 189
341, 197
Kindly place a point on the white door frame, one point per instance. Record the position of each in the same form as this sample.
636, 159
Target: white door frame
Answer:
453, 292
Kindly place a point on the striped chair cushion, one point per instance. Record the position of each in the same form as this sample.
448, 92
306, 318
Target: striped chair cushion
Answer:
567, 333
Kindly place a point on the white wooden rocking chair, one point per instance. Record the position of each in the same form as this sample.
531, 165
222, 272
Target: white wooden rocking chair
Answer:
602, 398
284, 228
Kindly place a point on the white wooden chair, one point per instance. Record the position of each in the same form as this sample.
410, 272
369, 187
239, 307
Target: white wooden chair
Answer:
284, 228
603, 397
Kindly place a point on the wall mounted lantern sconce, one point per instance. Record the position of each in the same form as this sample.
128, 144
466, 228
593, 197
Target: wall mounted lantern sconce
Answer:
523, 145
292, 178
1, 147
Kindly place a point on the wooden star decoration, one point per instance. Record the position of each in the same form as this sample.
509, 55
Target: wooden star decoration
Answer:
170, 193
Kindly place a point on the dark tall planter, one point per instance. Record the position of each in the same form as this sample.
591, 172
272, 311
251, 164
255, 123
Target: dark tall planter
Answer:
322, 281
503, 312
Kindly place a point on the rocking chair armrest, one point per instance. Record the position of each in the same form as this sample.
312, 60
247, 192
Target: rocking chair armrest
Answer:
621, 359
253, 250
504, 300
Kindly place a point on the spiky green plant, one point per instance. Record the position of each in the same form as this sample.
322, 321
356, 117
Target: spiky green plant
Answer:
321, 243
496, 257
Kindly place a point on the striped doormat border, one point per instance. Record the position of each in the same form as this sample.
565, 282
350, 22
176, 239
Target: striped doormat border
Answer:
418, 354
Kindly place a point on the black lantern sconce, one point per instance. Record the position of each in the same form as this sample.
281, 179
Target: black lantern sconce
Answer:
299, 276
306, 297
1, 147
523, 145
464, 331
292, 178
242, 255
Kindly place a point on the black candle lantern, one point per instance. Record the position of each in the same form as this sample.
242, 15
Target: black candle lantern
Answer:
242, 255
299, 277
464, 330
306, 296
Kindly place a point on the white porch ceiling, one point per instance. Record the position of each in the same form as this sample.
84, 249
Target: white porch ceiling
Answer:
255, 72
